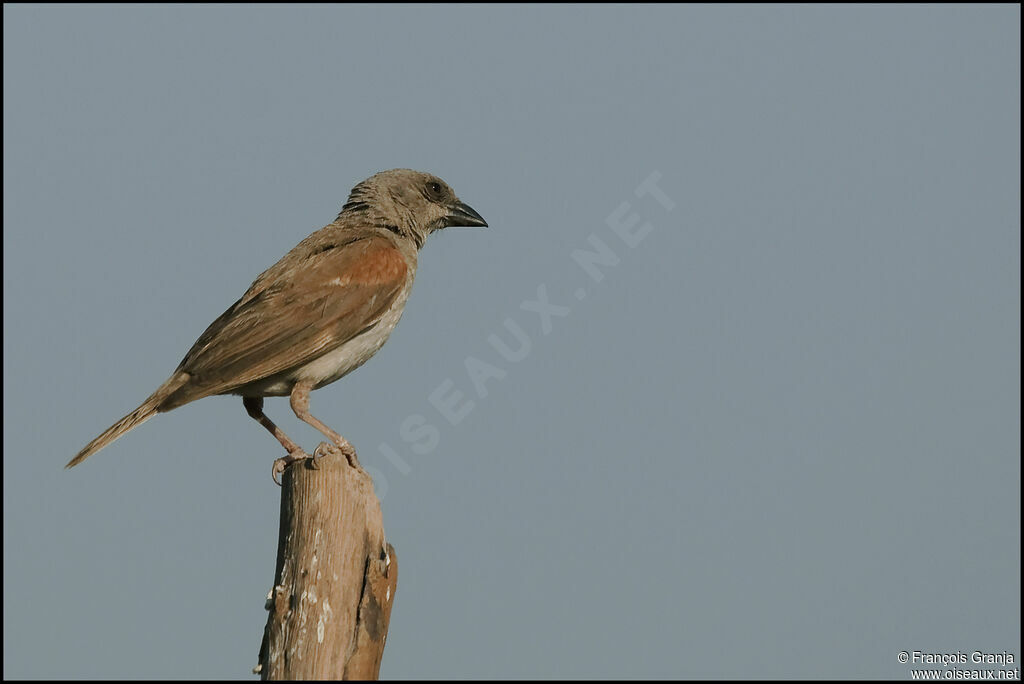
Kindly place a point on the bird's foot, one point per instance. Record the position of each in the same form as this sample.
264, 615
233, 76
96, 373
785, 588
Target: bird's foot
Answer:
345, 449
285, 461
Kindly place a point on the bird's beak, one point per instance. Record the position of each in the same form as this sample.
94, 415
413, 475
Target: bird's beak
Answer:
461, 214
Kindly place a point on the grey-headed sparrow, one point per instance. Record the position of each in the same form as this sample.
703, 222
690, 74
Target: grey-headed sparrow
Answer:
317, 314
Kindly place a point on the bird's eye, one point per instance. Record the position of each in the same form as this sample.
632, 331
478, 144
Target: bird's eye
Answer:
434, 189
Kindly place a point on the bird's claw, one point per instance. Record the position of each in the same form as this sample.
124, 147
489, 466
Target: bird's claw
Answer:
285, 461
347, 450
323, 450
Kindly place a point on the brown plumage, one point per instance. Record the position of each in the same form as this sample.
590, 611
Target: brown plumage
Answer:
320, 312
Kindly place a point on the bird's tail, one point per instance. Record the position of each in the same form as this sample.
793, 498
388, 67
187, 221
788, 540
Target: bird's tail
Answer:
147, 410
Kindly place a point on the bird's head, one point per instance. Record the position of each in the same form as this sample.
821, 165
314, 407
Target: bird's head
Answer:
412, 203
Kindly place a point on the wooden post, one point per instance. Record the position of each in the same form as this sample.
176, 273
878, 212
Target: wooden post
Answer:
335, 579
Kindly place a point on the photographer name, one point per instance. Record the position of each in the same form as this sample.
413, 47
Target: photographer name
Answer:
1002, 658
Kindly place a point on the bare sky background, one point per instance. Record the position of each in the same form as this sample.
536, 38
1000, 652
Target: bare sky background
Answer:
779, 437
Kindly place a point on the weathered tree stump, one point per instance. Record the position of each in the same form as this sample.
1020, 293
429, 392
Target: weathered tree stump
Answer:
335, 580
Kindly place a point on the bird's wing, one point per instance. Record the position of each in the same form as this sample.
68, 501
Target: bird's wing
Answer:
289, 320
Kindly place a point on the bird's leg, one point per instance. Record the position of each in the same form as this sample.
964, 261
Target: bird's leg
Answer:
254, 407
300, 404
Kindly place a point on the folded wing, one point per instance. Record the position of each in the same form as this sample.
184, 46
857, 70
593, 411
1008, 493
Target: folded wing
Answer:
338, 293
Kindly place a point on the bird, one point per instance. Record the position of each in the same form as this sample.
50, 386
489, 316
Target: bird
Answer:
316, 315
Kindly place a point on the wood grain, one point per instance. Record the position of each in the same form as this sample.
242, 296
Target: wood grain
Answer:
335, 580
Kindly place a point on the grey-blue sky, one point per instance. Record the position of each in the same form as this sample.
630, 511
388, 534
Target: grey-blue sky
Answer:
780, 438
